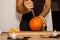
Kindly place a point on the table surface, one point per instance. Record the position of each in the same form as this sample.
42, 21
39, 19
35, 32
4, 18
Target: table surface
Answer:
32, 35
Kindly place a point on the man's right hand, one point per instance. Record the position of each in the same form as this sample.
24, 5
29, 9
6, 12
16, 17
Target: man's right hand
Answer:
28, 4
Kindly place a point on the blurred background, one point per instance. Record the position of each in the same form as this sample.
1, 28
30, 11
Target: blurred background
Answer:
55, 5
56, 14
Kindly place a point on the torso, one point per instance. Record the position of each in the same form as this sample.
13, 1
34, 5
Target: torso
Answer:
38, 7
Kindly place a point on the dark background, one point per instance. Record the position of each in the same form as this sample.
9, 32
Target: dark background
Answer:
55, 7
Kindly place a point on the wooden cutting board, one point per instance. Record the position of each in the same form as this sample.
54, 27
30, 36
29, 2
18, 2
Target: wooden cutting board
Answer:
36, 34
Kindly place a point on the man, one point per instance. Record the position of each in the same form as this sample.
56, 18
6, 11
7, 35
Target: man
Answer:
27, 7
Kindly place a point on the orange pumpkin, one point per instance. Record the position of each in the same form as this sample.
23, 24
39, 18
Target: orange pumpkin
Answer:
17, 30
36, 23
11, 30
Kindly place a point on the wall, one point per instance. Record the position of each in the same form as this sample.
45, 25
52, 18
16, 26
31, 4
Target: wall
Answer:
10, 18
8, 15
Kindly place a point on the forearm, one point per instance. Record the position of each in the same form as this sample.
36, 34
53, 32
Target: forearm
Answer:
46, 8
45, 12
21, 9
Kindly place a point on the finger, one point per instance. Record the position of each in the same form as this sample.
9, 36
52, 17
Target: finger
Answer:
45, 22
30, 6
44, 25
27, 0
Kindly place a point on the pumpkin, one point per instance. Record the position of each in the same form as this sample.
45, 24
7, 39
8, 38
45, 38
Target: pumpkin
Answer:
11, 31
36, 23
17, 30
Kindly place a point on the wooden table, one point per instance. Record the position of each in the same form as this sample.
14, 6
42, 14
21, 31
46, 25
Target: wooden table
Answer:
34, 35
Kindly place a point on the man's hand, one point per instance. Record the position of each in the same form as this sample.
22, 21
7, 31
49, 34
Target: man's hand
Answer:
28, 4
44, 21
